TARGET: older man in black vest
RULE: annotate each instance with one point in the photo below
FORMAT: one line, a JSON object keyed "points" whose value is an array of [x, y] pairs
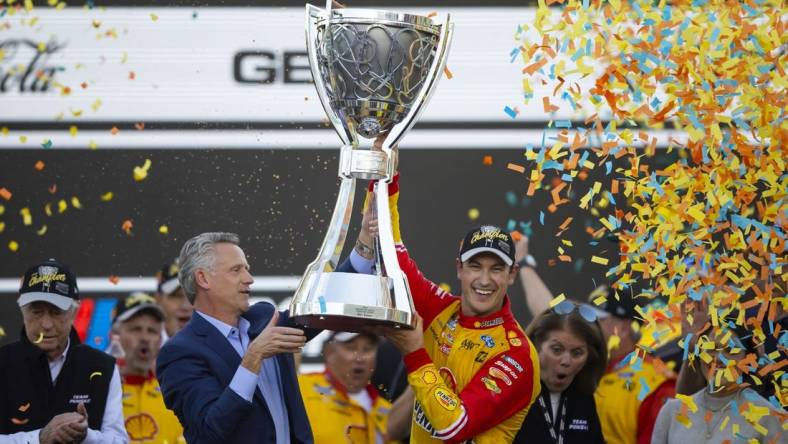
{"points": [[52, 388]]}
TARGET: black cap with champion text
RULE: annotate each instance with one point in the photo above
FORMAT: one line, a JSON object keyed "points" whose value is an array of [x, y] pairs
{"points": [[488, 239], [49, 281]]}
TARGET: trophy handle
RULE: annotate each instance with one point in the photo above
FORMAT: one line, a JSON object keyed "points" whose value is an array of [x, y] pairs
{"points": [[430, 84], [402, 296], [313, 15], [328, 256]]}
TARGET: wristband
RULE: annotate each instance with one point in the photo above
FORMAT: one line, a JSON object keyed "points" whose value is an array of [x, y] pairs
{"points": [[364, 250], [527, 261]]}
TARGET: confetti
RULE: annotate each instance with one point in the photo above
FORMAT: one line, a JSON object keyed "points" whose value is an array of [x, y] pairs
{"points": [[27, 218], [114, 130], [487, 161], [2, 226], [106, 197], [473, 214], [76, 203], [127, 226], [5, 193], [557, 300], [599, 260], [13, 246], [140, 126], [73, 130], [42, 231], [511, 112], [40, 338], [141, 172], [164, 230], [154, 17], [39, 166], [448, 73], [515, 167], [114, 279]]}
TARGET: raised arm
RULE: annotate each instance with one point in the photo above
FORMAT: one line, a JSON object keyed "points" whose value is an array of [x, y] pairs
{"points": [[537, 295]]}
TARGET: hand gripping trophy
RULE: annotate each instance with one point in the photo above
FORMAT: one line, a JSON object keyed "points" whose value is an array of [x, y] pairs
{"points": [[374, 72]]}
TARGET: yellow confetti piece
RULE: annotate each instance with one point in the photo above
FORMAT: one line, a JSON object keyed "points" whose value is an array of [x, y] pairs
{"points": [[40, 338], [23, 139], [613, 342], [76, 203], [4, 131], [445, 287], [473, 214], [48, 209], [688, 401], [92, 145], [106, 197], [154, 17], [163, 229], [141, 172], [27, 218], [2, 210], [62, 206], [13, 246], [73, 130], [599, 260], [42, 231], [2, 332], [557, 300], [2, 226]]}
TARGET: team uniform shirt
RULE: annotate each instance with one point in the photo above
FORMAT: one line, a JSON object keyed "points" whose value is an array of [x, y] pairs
{"points": [[147, 419], [334, 414], [629, 397], [476, 377]]}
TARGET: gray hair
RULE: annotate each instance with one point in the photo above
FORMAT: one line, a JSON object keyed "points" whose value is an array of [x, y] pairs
{"points": [[198, 252]]}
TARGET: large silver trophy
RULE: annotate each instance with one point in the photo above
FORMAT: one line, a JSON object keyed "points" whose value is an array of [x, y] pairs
{"points": [[374, 72]]}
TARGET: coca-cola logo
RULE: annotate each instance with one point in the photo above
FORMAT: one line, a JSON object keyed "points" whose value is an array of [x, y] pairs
{"points": [[25, 67]]}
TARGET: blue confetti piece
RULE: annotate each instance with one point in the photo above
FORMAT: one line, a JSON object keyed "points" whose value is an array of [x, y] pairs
{"points": [[322, 301], [563, 124], [608, 167], [511, 225], [566, 177], [512, 113], [541, 217], [511, 199], [47, 144], [644, 389], [513, 54], [610, 197]]}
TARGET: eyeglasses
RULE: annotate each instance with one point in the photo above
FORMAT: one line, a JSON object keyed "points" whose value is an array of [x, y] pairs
{"points": [[588, 312]]}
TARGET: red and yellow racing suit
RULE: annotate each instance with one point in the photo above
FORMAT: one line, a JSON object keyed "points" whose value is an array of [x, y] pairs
{"points": [[147, 419], [476, 377]]}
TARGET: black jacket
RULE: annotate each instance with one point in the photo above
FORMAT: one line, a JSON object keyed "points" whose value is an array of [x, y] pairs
{"points": [[581, 423], [28, 399]]}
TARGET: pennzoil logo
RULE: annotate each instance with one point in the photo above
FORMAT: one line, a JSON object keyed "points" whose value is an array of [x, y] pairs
{"points": [[446, 399], [46, 275], [489, 232]]}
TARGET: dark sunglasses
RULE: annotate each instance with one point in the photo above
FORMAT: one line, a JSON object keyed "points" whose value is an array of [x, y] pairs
{"points": [[586, 311]]}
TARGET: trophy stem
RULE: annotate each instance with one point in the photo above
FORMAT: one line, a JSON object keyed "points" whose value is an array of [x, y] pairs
{"points": [[397, 279], [328, 256]]}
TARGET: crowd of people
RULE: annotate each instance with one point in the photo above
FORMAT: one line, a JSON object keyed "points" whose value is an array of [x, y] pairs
{"points": [[199, 364]]}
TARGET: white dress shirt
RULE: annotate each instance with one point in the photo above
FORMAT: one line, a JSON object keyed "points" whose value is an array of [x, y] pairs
{"points": [[113, 430]]}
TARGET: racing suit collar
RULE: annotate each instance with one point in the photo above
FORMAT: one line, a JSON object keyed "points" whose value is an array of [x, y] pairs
{"points": [[500, 317], [138, 379]]}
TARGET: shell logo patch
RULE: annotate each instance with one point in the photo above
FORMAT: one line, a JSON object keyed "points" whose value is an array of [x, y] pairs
{"points": [[141, 427], [446, 399], [429, 377]]}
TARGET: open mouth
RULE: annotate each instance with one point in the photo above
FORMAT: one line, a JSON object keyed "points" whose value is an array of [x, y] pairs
{"points": [[143, 352], [183, 319], [482, 292], [561, 377]]}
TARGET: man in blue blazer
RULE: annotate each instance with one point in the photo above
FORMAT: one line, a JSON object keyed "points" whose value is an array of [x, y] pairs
{"points": [[229, 375]]}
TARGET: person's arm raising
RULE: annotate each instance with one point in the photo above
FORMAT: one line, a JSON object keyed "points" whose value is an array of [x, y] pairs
{"points": [[537, 295]]}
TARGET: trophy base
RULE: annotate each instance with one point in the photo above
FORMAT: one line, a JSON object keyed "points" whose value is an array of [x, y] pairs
{"points": [[339, 316]]}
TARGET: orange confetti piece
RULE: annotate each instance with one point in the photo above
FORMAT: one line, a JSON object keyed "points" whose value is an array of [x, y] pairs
{"points": [[488, 160], [549, 108], [515, 167], [127, 226], [448, 73], [132, 75], [532, 68], [39, 166], [114, 279], [140, 125], [114, 130], [516, 235], [5, 193]]}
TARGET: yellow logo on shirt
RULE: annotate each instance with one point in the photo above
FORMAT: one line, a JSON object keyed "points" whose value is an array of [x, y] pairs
{"points": [[141, 427], [446, 399]]}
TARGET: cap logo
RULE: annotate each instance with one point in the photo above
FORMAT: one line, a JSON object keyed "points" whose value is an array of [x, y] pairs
{"points": [[503, 246], [139, 298], [46, 275], [489, 233]]}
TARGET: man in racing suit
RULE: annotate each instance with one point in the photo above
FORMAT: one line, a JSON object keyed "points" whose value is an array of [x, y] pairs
{"points": [[473, 370]]}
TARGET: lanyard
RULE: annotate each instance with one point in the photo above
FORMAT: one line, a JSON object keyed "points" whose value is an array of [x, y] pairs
{"points": [[559, 439]]}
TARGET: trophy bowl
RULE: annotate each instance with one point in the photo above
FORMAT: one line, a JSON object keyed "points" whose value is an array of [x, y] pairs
{"points": [[374, 72]]}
